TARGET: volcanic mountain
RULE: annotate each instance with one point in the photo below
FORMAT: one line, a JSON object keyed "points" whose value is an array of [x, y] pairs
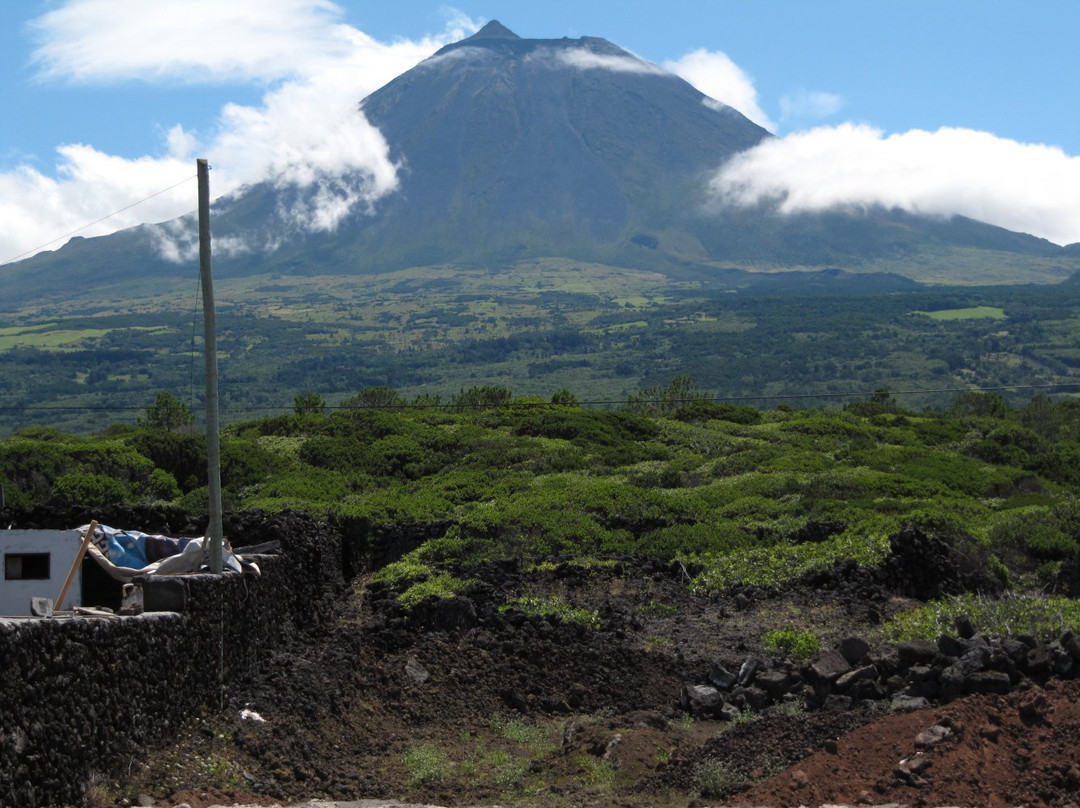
{"points": [[509, 149]]}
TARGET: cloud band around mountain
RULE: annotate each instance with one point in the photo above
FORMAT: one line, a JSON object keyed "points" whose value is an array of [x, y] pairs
{"points": [[1030, 188]]}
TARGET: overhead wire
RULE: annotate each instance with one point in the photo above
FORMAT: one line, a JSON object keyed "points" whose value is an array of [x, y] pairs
{"points": [[77, 230], [854, 394]]}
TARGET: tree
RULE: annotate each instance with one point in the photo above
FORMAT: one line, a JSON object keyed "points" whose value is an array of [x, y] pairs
{"points": [[681, 394], [167, 413], [309, 403], [375, 398], [482, 398], [564, 398]]}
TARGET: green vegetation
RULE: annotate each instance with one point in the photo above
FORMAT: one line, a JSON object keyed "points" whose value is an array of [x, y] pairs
{"points": [[304, 346], [801, 645], [427, 764], [716, 779], [972, 313], [553, 605], [1040, 616], [735, 495]]}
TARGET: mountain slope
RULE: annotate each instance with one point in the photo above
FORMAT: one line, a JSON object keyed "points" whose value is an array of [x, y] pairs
{"points": [[512, 149]]}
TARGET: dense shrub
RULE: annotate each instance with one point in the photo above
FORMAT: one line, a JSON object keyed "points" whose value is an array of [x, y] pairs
{"points": [[80, 489]]}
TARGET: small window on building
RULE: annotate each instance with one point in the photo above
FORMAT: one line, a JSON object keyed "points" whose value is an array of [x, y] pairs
{"points": [[26, 566]]}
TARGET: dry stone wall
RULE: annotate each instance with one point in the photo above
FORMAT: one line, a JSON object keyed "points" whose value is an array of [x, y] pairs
{"points": [[80, 695]]}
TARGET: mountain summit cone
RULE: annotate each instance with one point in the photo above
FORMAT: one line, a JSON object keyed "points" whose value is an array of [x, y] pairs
{"points": [[509, 149]]}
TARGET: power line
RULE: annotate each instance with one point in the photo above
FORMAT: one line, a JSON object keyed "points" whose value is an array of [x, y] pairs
{"points": [[96, 221], [588, 403]]}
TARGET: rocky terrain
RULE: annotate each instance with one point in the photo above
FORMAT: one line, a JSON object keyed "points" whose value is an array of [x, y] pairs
{"points": [[659, 698]]}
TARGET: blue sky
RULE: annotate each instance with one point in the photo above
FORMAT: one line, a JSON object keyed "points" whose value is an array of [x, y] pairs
{"points": [[938, 107]]}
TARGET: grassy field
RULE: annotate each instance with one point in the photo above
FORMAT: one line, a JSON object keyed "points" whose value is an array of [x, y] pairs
{"points": [[973, 313], [538, 328]]}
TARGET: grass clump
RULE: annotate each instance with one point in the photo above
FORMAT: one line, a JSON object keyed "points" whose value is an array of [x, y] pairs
{"points": [[508, 771], [716, 779], [780, 563], [537, 739], [1044, 616], [418, 581], [427, 763], [553, 605], [799, 645], [597, 773], [654, 607], [439, 585]]}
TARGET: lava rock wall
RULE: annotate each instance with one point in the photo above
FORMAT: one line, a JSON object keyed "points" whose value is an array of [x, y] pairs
{"points": [[80, 695]]}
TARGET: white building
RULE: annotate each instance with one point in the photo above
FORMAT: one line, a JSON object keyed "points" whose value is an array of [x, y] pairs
{"points": [[36, 564]]}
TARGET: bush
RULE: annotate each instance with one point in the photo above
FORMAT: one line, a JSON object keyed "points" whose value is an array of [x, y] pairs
{"points": [[702, 538], [1048, 543], [771, 566], [440, 585], [181, 454], [427, 764], [553, 605], [87, 490], [162, 485], [1044, 616], [799, 645], [716, 779]]}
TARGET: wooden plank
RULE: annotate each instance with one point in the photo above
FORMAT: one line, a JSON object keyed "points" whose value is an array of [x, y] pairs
{"points": [[78, 560]]}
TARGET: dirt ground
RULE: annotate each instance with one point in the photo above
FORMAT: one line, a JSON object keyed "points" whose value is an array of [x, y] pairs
{"points": [[463, 704]]}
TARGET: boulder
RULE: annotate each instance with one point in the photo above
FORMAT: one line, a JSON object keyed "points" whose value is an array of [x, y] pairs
{"points": [[903, 702], [776, 683], [1070, 641], [950, 646], [964, 627], [853, 649], [753, 697], [932, 736], [721, 677], [988, 682], [701, 700], [1037, 663], [851, 678], [829, 667], [916, 652], [749, 670], [1015, 650], [1061, 661]]}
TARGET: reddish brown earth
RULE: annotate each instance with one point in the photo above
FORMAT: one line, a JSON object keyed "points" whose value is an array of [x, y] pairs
{"points": [[1020, 749], [345, 710]]}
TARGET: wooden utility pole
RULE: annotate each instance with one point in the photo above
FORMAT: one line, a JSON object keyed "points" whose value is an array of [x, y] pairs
{"points": [[214, 531]]}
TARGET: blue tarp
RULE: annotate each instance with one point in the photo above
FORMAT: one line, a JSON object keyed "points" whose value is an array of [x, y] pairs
{"points": [[126, 554], [130, 548]]}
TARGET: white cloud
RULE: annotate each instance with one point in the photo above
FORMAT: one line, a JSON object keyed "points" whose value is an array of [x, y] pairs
{"points": [[36, 209], [1026, 187], [714, 74], [104, 40], [306, 132], [588, 60], [804, 104]]}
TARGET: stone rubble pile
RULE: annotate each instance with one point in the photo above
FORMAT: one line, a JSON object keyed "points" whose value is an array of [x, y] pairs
{"points": [[908, 676]]}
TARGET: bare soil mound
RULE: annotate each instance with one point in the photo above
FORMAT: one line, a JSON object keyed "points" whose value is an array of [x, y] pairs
{"points": [[991, 750]]}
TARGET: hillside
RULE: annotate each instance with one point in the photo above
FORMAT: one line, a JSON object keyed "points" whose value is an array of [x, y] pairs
{"points": [[547, 592], [811, 338]]}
